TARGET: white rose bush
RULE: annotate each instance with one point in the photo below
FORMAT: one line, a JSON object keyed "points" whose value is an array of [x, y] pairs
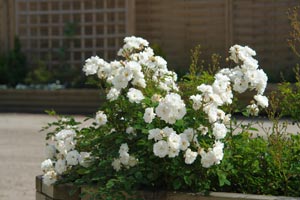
{"points": [[149, 133]]}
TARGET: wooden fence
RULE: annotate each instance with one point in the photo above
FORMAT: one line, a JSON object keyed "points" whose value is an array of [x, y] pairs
{"points": [[69, 30], [45, 28], [178, 25]]}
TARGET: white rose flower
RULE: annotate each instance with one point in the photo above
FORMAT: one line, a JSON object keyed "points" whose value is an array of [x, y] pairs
{"points": [[135, 42], [173, 152], [227, 119], [261, 82], [219, 130], [49, 178], [189, 132], [240, 85], [72, 157], [203, 129], [261, 100], [207, 159], [91, 65], [140, 82], [113, 94], [174, 141], [123, 148], [61, 147], [156, 98], [69, 144], [60, 166], [184, 142], [124, 158], [116, 164], [104, 70], [155, 134], [161, 148], [130, 130], [119, 82], [171, 108], [85, 159], [101, 118], [135, 95], [252, 109], [197, 101], [149, 115], [190, 156], [132, 161], [47, 165], [65, 133], [218, 151], [126, 73]]}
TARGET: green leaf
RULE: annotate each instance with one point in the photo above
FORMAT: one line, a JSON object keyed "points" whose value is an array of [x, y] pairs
{"points": [[223, 179], [187, 180], [177, 184]]}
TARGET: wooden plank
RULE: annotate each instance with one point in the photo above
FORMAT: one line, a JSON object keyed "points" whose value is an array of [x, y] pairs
{"points": [[130, 17]]}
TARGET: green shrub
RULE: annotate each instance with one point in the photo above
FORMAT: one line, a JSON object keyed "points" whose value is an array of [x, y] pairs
{"points": [[13, 66]]}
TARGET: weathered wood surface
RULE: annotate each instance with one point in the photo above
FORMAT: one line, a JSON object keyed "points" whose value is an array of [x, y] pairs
{"points": [[60, 192], [62, 101]]}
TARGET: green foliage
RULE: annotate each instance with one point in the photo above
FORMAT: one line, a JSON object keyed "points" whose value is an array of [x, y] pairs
{"points": [[262, 166], [199, 72], [158, 50], [289, 95], [13, 66], [39, 74]]}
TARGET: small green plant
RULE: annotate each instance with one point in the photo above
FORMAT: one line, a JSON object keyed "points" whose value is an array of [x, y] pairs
{"points": [[289, 95], [294, 40], [39, 74]]}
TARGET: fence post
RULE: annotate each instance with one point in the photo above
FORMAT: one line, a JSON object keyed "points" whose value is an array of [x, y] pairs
{"points": [[130, 17], [7, 24], [11, 23], [228, 24]]}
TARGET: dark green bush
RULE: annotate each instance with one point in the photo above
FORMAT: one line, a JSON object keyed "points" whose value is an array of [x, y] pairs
{"points": [[13, 66]]}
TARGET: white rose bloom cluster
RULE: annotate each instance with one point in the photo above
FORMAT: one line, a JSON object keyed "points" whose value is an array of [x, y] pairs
{"points": [[149, 115], [92, 65], [141, 69], [140, 65], [62, 155], [171, 108], [169, 143], [213, 155], [124, 159], [245, 75], [101, 118]]}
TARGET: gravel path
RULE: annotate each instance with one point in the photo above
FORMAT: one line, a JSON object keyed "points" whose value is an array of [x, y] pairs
{"points": [[22, 150]]}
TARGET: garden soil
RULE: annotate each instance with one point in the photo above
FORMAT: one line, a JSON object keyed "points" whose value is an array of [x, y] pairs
{"points": [[22, 151]]}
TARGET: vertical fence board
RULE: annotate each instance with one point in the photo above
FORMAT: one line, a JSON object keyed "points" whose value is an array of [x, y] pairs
{"points": [[7, 26]]}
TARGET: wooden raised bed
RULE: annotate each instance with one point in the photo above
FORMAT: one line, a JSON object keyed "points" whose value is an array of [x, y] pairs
{"points": [[62, 192], [73, 101], [62, 101]]}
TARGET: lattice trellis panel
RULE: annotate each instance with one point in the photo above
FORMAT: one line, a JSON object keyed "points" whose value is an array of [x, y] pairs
{"points": [[73, 30]]}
